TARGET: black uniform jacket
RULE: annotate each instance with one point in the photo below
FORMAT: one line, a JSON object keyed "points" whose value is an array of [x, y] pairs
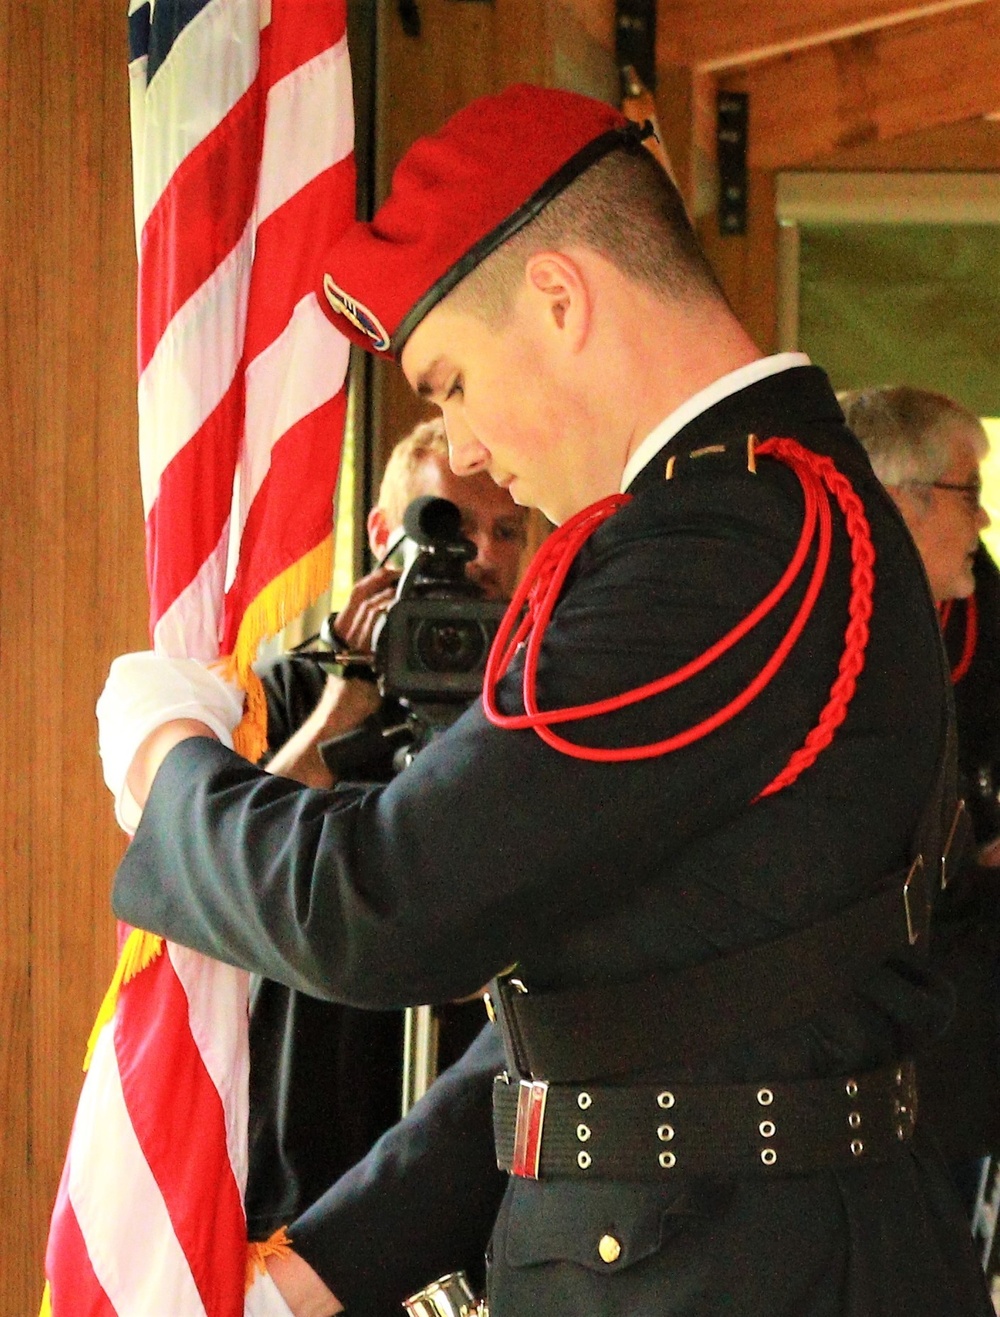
{"points": [[977, 696], [960, 1084], [494, 849], [324, 1079]]}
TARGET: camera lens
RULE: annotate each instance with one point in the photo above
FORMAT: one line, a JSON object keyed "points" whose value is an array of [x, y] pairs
{"points": [[457, 645]]}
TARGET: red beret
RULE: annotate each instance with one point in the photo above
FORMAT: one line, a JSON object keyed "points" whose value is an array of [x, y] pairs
{"points": [[456, 196]]}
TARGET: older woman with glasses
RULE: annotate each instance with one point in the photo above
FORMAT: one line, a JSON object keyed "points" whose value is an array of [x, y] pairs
{"points": [[926, 450]]}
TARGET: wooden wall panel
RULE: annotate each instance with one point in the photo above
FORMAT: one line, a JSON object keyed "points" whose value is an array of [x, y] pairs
{"points": [[713, 34], [746, 266], [597, 18], [879, 86], [72, 591], [970, 145]]}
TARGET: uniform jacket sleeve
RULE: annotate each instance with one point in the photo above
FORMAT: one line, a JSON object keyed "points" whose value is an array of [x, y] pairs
{"points": [[421, 1203]]}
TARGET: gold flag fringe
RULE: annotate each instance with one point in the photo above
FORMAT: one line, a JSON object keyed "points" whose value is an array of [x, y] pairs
{"points": [[46, 1308], [278, 1246], [278, 603], [140, 950]]}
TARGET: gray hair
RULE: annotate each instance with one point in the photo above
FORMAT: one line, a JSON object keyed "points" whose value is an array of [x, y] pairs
{"points": [[909, 433]]}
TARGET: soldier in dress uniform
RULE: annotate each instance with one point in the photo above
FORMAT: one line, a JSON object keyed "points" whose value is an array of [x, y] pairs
{"points": [[694, 831]]}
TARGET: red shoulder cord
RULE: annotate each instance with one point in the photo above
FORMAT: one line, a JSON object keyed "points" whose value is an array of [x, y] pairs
{"points": [[971, 634], [537, 594]]}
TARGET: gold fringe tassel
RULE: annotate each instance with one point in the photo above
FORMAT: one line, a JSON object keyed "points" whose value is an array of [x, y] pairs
{"points": [[250, 737], [140, 950], [282, 599], [279, 1245], [46, 1308]]}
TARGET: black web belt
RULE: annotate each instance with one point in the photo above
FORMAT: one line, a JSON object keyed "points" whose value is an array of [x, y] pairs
{"points": [[649, 1132]]}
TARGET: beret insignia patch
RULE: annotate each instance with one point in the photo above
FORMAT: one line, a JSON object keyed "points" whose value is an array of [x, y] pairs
{"points": [[358, 315]]}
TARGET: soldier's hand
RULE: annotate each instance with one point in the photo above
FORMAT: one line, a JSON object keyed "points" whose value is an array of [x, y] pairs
{"points": [[369, 598], [301, 1288]]}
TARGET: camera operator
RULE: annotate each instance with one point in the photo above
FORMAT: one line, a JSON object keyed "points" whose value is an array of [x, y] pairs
{"points": [[308, 707], [326, 1079]]}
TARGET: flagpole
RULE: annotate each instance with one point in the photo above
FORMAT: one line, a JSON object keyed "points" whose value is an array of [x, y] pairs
{"points": [[420, 1053]]}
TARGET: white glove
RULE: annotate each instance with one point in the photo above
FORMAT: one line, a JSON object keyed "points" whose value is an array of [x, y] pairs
{"points": [[144, 691]]}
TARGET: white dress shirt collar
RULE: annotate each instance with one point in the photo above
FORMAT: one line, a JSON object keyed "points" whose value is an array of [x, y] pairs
{"points": [[701, 401]]}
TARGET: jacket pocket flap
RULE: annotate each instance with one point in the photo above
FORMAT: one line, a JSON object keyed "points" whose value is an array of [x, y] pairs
{"points": [[605, 1227]]}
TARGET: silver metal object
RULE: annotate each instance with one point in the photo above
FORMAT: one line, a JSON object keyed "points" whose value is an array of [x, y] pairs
{"points": [[420, 1054], [449, 1296]]}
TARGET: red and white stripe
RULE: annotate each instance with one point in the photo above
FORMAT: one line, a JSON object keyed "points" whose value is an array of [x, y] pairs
{"points": [[157, 1160], [243, 167]]}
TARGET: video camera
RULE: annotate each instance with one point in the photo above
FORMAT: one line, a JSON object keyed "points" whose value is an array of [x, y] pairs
{"points": [[431, 645], [429, 649]]}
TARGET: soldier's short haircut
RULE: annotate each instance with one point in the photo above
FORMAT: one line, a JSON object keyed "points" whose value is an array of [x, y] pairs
{"points": [[623, 207], [908, 433], [425, 441]]}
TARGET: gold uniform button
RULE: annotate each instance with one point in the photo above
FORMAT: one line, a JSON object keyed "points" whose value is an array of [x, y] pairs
{"points": [[609, 1248]]}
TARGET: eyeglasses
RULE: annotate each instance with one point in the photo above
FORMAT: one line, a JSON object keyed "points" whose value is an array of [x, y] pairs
{"points": [[971, 494]]}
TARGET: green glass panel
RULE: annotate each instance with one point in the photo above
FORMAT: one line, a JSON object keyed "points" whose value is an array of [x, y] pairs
{"points": [[908, 303]]}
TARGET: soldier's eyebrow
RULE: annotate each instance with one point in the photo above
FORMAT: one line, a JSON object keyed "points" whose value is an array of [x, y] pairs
{"points": [[431, 380]]}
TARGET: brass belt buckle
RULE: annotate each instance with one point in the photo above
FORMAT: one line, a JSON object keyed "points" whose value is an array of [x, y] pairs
{"points": [[531, 1095]]}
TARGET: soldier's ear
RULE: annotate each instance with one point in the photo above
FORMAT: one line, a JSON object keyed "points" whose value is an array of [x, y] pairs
{"points": [[556, 280], [378, 531]]}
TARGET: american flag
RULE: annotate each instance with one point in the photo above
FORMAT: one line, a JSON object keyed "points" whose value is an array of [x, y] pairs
{"points": [[242, 138]]}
